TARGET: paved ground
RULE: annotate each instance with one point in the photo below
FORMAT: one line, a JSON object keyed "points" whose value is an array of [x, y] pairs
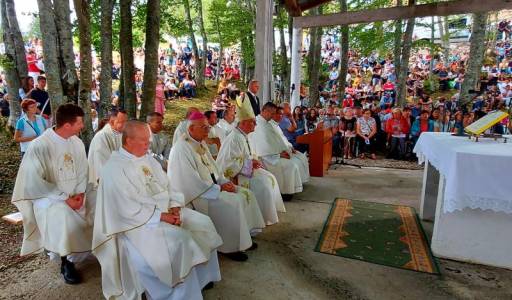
{"points": [[285, 265]]}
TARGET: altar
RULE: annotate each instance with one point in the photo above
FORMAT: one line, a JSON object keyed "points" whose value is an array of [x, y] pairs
{"points": [[467, 192]]}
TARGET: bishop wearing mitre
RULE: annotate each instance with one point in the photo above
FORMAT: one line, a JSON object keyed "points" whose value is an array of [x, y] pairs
{"points": [[182, 128], [233, 209], [268, 145], [144, 238], [104, 142], [237, 162], [50, 193]]}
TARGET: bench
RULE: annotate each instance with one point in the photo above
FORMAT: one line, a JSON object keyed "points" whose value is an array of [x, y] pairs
{"points": [[14, 218]]}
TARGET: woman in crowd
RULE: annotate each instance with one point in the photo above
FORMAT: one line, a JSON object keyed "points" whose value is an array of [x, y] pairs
{"points": [[447, 124], [188, 87], [347, 128], [299, 120], [397, 129], [436, 118], [27, 84], [160, 96], [311, 120], [422, 124], [366, 129], [29, 126]]}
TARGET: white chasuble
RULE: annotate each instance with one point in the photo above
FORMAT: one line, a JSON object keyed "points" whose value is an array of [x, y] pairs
{"points": [[268, 145], [194, 173], [235, 162], [52, 170], [297, 157], [180, 131], [132, 194], [226, 126], [102, 145]]}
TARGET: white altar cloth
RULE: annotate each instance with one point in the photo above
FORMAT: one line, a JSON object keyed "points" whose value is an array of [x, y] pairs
{"points": [[475, 172]]}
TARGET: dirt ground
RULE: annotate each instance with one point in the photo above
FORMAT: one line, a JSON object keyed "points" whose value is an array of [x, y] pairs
{"points": [[285, 265]]}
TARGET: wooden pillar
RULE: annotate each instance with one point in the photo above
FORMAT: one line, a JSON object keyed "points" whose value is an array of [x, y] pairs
{"points": [[296, 64], [264, 48]]}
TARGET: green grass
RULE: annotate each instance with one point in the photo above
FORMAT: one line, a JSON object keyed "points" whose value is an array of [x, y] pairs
{"points": [[176, 109]]}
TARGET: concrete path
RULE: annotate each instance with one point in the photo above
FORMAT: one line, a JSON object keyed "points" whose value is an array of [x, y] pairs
{"points": [[285, 265]]}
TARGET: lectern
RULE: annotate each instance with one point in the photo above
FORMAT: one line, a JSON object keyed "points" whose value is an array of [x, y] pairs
{"points": [[320, 150]]}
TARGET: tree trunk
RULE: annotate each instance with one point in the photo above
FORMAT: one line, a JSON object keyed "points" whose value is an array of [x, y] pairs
{"points": [[107, 7], [476, 52], [84, 26], [221, 50], [285, 70], [314, 64], [445, 39], [397, 49], [431, 50], [51, 52], [12, 72], [195, 50], [128, 69], [17, 38], [344, 44], [151, 58], [201, 65], [404, 62], [69, 77]]}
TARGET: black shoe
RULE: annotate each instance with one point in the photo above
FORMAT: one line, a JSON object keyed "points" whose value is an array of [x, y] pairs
{"points": [[237, 256], [254, 246], [287, 197], [208, 286], [69, 272]]}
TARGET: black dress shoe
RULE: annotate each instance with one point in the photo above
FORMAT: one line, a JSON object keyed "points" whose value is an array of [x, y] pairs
{"points": [[254, 246], [237, 256], [287, 197], [69, 272], [208, 286]]}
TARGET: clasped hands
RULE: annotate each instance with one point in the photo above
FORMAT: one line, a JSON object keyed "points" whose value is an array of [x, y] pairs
{"points": [[285, 154], [76, 201], [172, 216], [256, 164], [228, 187]]}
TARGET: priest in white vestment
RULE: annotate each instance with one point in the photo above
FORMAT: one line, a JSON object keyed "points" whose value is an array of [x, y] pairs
{"points": [[296, 157], [228, 123], [238, 164], [181, 129], [104, 142], [50, 193], [268, 145], [233, 209], [144, 237], [160, 142], [215, 135]]}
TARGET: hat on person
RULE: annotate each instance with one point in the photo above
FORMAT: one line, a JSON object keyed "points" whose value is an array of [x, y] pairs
{"points": [[26, 103], [195, 116], [244, 109]]}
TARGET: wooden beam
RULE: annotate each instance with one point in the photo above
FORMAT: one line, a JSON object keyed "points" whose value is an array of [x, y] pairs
{"points": [[402, 12]]}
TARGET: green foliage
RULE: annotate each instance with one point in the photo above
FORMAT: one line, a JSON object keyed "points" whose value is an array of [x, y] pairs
{"points": [[431, 84], [6, 62]]}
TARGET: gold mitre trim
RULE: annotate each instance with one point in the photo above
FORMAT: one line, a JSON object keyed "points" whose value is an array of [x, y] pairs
{"points": [[244, 109]]}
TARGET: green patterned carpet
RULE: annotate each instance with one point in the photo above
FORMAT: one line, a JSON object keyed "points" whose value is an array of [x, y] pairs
{"points": [[384, 234]]}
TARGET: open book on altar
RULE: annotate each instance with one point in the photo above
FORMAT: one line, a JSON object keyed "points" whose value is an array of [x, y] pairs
{"points": [[486, 122]]}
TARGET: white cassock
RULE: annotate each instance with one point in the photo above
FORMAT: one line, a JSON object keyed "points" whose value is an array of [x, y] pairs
{"points": [[102, 145], [181, 130], [194, 173], [137, 251], [298, 158], [160, 147], [52, 169], [235, 162], [268, 145], [228, 127]]}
